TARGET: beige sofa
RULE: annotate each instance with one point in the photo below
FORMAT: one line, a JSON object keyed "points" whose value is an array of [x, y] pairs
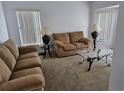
{"points": [[20, 68], [68, 43]]}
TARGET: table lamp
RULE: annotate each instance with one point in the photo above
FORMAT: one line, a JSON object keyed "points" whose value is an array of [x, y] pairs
{"points": [[46, 41], [94, 34]]}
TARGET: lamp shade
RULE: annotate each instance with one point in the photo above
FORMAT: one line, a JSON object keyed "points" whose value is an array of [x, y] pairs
{"points": [[97, 28], [44, 31]]}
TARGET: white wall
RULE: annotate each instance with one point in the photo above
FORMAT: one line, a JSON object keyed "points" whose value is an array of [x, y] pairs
{"points": [[117, 69], [58, 16], [3, 28]]}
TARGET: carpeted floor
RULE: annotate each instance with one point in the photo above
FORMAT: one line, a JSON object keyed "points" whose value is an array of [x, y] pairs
{"points": [[65, 74]]}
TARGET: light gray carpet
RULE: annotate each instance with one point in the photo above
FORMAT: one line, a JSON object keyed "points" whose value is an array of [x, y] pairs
{"points": [[65, 74]]}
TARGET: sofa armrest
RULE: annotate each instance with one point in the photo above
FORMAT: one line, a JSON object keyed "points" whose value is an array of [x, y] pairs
{"points": [[30, 82], [85, 40], [27, 49], [59, 43]]}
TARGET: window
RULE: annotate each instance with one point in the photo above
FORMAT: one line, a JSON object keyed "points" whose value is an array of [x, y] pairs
{"points": [[107, 20], [29, 26]]}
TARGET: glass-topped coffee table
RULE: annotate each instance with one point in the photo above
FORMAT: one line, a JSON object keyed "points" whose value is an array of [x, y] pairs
{"points": [[90, 55]]}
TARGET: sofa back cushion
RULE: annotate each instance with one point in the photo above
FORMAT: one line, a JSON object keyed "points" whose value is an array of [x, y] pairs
{"points": [[12, 46], [75, 36], [63, 37], [7, 57], [4, 72]]}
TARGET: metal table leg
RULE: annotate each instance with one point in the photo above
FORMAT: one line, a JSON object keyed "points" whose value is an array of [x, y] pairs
{"points": [[90, 60]]}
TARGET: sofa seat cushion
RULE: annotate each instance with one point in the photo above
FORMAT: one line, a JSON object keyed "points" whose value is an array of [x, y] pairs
{"points": [[75, 36], [69, 47], [28, 63], [4, 72], [80, 45], [26, 72], [63, 37], [7, 57], [28, 55], [12, 46]]}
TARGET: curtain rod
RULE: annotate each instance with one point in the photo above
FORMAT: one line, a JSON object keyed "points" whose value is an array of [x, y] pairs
{"points": [[108, 8], [27, 10]]}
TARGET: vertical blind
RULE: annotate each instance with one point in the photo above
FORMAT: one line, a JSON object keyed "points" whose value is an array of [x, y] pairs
{"points": [[107, 20], [29, 27]]}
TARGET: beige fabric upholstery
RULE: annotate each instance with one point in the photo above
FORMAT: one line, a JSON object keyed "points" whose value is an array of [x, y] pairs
{"points": [[84, 40], [27, 49], [28, 63], [4, 72], [80, 45], [28, 55], [59, 43], [7, 57], [30, 82], [63, 37], [69, 47], [12, 46], [26, 72], [75, 36], [69, 53], [63, 48], [59, 51]]}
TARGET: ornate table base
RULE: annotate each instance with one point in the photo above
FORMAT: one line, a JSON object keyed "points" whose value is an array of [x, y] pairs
{"points": [[91, 59]]}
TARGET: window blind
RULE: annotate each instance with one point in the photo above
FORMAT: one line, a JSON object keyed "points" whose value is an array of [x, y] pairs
{"points": [[29, 27], [107, 20]]}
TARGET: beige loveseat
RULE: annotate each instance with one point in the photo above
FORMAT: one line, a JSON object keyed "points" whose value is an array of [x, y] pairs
{"points": [[68, 43], [20, 68]]}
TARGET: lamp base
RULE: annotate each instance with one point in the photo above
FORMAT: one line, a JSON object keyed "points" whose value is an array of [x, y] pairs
{"points": [[46, 39], [94, 36], [94, 44]]}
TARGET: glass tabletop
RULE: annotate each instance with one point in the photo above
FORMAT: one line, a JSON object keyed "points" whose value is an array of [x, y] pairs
{"points": [[97, 52]]}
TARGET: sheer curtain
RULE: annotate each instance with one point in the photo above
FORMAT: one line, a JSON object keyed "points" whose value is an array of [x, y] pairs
{"points": [[107, 20], [29, 26]]}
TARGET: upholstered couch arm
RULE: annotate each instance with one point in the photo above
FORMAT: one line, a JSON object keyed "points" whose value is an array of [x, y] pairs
{"points": [[25, 83], [59, 43], [27, 49], [86, 41]]}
